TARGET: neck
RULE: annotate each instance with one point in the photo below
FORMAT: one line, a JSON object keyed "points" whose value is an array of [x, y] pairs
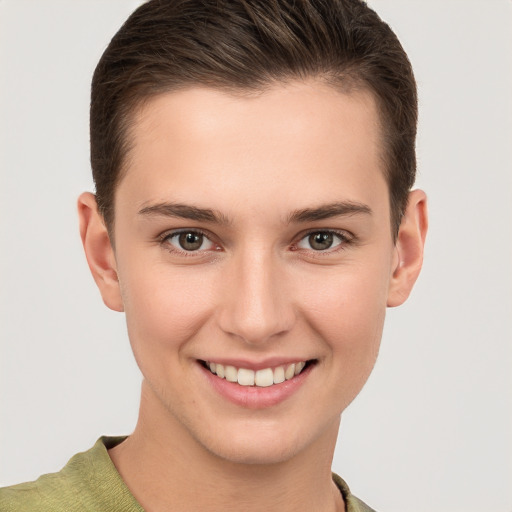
{"points": [[165, 468]]}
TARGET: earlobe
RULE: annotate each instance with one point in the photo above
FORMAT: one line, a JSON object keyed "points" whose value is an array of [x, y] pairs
{"points": [[98, 251], [409, 249]]}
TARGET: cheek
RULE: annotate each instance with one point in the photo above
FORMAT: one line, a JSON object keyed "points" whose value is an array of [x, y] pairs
{"points": [[163, 311], [348, 314]]}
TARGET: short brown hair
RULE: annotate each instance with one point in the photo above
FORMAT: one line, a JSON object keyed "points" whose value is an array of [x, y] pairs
{"points": [[244, 45]]}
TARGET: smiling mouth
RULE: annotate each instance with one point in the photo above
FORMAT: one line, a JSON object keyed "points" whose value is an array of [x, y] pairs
{"points": [[263, 378]]}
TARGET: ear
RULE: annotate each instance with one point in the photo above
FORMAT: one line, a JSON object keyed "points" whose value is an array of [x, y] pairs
{"points": [[409, 248], [98, 251]]}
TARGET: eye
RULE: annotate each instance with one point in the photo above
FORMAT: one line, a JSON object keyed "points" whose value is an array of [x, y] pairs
{"points": [[189, 241], [322, 240]]}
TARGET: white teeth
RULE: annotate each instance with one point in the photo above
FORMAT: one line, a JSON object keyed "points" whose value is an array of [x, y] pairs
{"points": [[279, 375], [231, 373], [264, 378], [245, 377], [220, 371], [289, 372], [261, 378]]}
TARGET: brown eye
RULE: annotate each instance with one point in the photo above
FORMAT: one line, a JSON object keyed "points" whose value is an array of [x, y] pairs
{"points": [[321, 241], [190, 241]]}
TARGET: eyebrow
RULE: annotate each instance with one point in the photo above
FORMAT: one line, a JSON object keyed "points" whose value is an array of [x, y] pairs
{"points": [[343, 208], [184, 211]]}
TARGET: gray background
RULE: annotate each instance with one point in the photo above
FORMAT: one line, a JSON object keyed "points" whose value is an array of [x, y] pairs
{"points": [[432, 429]]}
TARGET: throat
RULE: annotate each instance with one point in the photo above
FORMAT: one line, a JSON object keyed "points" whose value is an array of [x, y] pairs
{"points": [[166, 468], [176, 484]]}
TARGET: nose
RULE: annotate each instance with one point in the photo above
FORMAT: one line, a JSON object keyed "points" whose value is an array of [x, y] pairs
{"points": [[256, 305]]}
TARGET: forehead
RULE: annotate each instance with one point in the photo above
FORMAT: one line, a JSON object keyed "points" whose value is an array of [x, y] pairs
{"points": [[302, 139]]}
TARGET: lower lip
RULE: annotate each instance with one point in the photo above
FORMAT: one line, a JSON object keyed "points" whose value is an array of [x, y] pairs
{"points": [[255, 397]]}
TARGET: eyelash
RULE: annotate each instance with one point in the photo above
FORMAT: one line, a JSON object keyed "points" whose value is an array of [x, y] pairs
{"points": [[345, 238], [166, 237]]}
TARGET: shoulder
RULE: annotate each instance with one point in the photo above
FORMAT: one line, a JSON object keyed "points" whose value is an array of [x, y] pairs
{"points": [[49, 492], [88, 482], [352, 503]]}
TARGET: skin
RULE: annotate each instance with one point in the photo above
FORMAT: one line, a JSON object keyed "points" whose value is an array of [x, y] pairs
{"points": [[256, 289]]}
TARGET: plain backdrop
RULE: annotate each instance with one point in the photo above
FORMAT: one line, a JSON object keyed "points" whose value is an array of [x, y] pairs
{"points": [[433, 426]]}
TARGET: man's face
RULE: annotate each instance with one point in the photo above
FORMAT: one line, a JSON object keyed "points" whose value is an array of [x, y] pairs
{"points": [[253, 232]]}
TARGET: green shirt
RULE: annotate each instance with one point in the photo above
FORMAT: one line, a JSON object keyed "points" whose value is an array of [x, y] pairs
{"points": [[90, 483]]}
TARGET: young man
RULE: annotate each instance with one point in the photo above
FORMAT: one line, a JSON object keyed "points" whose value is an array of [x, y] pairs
{"points": [[253, 162]]}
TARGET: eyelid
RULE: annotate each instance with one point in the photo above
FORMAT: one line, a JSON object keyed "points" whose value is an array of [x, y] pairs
{"points": [[346, 238], [164, 238]]}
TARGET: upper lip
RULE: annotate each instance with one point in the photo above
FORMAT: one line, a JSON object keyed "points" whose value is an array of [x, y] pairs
{"points": [[271, 362]]}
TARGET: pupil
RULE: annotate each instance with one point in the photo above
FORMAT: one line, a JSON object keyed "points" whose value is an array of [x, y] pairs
{"points": [[191, 241], [321, 241]]}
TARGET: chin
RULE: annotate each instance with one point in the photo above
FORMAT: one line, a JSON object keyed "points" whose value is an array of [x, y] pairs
{"points": [[266, 444], [254, 451]]}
